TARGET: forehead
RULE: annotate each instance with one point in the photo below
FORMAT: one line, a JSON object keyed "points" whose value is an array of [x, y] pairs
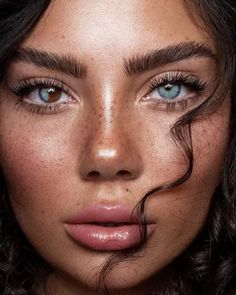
{"points": [[105, 27]]}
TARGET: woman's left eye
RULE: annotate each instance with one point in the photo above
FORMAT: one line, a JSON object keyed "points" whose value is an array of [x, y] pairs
{"points": [[175, 90], [170, 91]]}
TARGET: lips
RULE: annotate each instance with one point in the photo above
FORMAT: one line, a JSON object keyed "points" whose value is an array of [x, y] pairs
{"points": [[106, 228]]}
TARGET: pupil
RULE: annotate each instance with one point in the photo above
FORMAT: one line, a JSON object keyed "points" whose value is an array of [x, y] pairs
{"points": [[168, 87]]}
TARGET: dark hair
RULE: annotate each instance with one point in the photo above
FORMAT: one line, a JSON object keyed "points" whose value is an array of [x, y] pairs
{"points": [[208, 266]]}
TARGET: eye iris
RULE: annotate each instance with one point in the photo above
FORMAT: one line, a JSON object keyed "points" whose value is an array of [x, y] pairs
{"points": [[169, 91], [49, 95]]}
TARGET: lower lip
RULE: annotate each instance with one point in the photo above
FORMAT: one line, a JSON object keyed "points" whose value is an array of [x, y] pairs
{"points": [[106, 238]]}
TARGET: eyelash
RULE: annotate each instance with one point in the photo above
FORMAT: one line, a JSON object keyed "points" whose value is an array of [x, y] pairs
{"points": [[25, 87], [177, 78]]}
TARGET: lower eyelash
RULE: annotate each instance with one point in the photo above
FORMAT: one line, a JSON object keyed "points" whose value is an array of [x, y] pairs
{"points": [[39, 109], [171, 106]]}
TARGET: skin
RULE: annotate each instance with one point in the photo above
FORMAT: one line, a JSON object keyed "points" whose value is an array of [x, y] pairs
{"points": [[108, 128]]}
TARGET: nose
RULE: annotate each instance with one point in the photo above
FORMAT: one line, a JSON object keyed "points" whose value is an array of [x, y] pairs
{"points": [[110, 156]]}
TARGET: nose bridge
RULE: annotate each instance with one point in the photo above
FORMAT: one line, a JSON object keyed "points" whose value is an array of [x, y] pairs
{"points": [[109, 112], [107, 135], [110, 151]]}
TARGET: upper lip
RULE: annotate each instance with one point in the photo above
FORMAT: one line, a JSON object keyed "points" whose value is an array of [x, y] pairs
{"points": [[117, 214]]}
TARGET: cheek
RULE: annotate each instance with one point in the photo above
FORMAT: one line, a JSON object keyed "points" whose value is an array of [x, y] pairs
{"points": [[31, 160], [35, 166], [36, 152], [166, 161], [210, 138]]}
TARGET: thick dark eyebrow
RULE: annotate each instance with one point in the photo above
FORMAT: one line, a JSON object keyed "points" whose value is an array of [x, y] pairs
{"points": [[65, 63], [170, 54]]}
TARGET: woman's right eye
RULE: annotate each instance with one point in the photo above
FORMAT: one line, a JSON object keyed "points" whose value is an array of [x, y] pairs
{"points": [[43, 95], [47, 95]]}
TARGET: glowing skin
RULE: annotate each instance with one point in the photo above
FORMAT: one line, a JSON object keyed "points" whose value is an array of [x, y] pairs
{"points": [[110, 144]]}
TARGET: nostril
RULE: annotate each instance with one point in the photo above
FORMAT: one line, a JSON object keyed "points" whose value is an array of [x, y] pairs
{"points": [[93, 174], [96, 175], [124, 173]]}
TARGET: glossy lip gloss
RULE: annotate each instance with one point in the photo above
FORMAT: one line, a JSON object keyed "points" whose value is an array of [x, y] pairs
{"points": [[106, 228]]}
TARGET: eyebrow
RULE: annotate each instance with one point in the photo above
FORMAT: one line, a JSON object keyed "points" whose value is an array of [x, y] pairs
{"points": [[65, 63], [170, 54]]}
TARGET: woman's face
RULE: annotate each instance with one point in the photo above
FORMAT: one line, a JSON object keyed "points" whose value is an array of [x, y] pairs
{"points": [[86, 113]]}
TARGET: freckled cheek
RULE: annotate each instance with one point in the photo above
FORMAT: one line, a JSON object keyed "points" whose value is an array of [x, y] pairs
{"points": [[210, 141], [33, 164], [163, 160]]}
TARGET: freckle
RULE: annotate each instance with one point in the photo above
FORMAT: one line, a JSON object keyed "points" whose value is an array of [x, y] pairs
{"points": [[127, 190], [42, 211]]}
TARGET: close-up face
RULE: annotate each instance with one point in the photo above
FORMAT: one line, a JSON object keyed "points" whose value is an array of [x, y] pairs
{"points": [[86, 110]]}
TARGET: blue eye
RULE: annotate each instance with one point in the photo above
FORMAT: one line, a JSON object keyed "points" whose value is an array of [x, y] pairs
{"points": [[174, 90], [169, 91]]}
